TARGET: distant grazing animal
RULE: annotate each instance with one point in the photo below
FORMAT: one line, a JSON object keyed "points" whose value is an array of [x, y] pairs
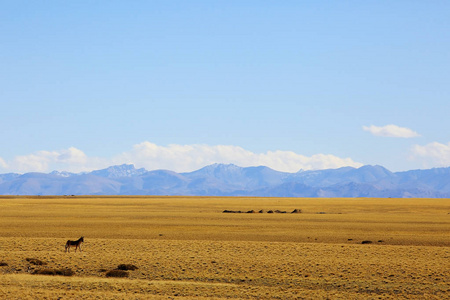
{"points": [[76, 244]]}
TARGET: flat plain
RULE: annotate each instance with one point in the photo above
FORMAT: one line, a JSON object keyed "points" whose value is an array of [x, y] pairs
{"points": [[186, 247]]}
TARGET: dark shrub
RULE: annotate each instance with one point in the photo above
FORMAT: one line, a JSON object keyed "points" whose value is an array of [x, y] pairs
{"points": [[3, 264], [296, 211], [127, 267], [45, 272], [65, 272], [117, 273], [366, 242], [60, 272], [35, 261]]}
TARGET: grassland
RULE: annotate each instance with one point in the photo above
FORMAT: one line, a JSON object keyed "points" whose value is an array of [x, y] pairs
{"points": [[185, 247]]}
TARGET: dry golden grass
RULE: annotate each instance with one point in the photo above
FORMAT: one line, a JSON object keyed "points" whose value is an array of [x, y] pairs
{"points": [[185, 247]]}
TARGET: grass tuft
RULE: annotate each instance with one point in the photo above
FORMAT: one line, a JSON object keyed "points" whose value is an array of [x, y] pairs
{"points": [[35, 261], [117, 273], [127, 267], [60, 272]]}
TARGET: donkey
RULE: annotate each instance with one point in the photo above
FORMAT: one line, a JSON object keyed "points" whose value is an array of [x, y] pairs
{"points": [[76, 244]]}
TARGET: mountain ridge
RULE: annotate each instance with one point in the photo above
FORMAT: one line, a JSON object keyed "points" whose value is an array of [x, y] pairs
{"points": [[232, 180]]}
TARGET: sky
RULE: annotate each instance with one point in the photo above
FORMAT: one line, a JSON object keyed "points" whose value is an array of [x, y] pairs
{"points": [[178, 85]]}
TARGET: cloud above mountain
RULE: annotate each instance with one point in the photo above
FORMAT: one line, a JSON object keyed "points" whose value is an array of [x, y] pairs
{"points": [[191, 157], [180, 158], [3, 163], [391, 131], [41, 161], [433, 154]]}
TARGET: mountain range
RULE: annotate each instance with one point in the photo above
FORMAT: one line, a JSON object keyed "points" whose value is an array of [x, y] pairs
{"points": [[232, 180]]}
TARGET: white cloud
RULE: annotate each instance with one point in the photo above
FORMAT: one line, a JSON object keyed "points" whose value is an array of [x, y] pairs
{"points": [[3, 164], [432, 155], [179, 158], [182, 158], [391, 131], [71, 159]]}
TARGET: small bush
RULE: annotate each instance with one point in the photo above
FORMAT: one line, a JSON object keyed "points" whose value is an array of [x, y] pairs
{"points": [[117, 273], [45, 272], [366, 242], [35, 261], [60, 272], [3, 264], [127, 267], [296, 211]]}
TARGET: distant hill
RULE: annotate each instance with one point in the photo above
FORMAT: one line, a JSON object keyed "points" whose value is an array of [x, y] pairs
{"points": [[232, 180]]}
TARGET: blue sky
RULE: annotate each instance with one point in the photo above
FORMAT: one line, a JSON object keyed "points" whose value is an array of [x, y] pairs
{"points": [[182, 84]]}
